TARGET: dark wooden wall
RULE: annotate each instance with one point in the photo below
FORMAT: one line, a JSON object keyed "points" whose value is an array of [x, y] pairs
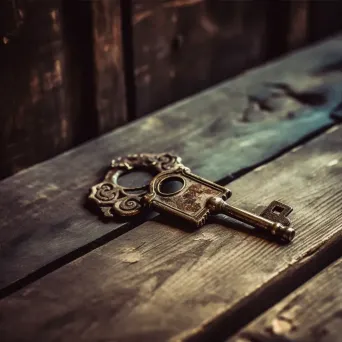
{"points": [[72, 70]]}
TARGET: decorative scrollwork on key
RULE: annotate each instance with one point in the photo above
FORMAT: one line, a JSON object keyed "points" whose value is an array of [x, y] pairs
{"points": [[126, 205], [157, 162], [113, 198], [106, 192]]}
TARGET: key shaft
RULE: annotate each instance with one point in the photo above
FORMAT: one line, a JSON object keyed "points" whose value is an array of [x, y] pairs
{"points": [[219, 206]]}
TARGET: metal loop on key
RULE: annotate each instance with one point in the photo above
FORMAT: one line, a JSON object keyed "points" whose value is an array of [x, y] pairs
{"points": [[112, 198]]}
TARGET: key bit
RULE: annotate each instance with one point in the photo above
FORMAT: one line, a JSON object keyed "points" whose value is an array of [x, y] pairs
{"points": [[275, 227], [177, 191]]}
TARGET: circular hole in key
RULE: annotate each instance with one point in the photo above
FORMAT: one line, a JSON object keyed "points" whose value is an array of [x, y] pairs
{"points": [[171, 185], [135, 179]]}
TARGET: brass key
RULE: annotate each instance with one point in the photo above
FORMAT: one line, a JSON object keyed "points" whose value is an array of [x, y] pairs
{"points": [[175, 190]]}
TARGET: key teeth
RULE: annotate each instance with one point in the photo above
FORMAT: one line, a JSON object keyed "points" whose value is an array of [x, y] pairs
{"points": [[212, 208], [203, 220]]}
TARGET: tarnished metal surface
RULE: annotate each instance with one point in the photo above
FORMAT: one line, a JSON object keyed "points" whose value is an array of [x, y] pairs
{"points": [[175, 190], [190, 202], [273, 219], [113, 198]]}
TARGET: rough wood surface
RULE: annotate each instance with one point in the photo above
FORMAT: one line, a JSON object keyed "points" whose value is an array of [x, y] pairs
{"points": [[311, 313], [63, 80], [47, 80], [181, 47], [109, 67], [219, 132], [298, 30], [33, 103], [161, 281]]}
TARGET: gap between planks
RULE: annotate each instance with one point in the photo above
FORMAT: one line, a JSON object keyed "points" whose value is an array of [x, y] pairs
{"points": [[283, 285], [134, 223], [312, 312], [47, 221], [300, 265]]}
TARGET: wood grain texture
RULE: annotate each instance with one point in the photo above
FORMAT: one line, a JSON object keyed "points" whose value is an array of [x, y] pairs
{"points": [[33, 86], [45, 81], [230, 128], [109, 68], [298, 30], [161, 281], [70, 85], [311, 313], [181, 47]]}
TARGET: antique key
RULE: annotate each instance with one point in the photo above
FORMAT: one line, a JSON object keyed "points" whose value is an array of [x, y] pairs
{"points": [[175, 190]]}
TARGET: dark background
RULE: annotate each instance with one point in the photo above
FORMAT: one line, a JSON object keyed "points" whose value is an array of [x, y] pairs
{"points": [[72, 70]]}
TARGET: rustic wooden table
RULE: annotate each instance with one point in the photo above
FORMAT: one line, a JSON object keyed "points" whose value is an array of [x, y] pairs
{"points": [[271, 133]]}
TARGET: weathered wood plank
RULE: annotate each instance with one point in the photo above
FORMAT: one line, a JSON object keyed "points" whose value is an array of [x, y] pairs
{"points": [[45, 81], [218, 133], [160, 281], [181, 47], [298, 31], [311, 313], [109, 68], [68, 88], [33, 103]]}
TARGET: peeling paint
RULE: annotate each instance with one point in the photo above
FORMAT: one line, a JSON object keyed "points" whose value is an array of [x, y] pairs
{"points": [[45, 192], [297, 148], [243, 339], [333, 162], [247, 143], [116, 48], [141, 16], [53, 79], [21, 13], [64, 128], [209, 26], [174, 18], [206, 236], [181, 3], [55, 22], [140, 70], [35, 87], [260, 168], [281, 326], [152, 123], [332, 129], [131, 258]]}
